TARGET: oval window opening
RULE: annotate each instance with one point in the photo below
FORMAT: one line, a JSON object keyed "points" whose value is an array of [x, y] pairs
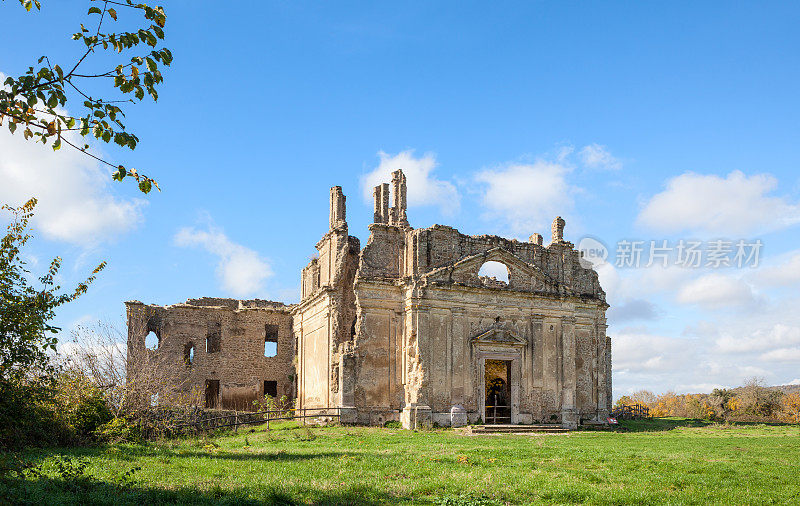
{"points": [[493, 272]]}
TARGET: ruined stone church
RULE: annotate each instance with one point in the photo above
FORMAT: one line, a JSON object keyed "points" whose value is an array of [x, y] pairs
{"points": [[405, 329]]}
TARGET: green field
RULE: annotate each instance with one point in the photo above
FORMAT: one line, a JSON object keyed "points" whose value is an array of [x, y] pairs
{"points": [[665, 461]]}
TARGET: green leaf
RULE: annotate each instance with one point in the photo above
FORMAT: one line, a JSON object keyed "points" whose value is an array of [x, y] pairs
{"points": [[57, 145], [145, 186], [94, 10]]}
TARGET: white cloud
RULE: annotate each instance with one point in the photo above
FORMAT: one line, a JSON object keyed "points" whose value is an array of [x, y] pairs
{"points": [[610, 280], [715, 291], [622, 284], [596, 156], [633, 309], [783, 272], [794, 382], [76, 201], [777, 336], [424, 188], [714, 205], [641, 352], [727, 348], [71, 349], [527, 196], [782, 355], [240, 269]]}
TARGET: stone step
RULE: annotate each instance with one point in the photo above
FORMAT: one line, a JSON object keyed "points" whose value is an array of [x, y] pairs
{"points": [[509, 428]]}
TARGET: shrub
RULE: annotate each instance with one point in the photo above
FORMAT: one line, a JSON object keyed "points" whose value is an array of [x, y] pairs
{"points": [[81, 405], [118, 430], [90, 413], [29, 418]]}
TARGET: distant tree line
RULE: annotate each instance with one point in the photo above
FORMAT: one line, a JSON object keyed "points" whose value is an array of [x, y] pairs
{"points": [[754, 401]]}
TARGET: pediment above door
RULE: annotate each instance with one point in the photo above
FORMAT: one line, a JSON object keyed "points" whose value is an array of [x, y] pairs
{"points": [[498, 335]]}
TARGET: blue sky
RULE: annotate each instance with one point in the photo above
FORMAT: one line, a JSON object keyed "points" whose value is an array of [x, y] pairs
{"points": [[644, 120]]}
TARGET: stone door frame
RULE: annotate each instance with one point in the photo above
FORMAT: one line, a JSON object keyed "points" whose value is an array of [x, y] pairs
{"points": [[510, 354]]}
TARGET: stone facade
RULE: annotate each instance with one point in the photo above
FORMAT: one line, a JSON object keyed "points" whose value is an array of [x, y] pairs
{"points": [[407, 329]]}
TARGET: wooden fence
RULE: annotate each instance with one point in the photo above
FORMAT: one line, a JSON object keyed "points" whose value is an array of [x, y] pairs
{"points": [[262, 417], [203, 420], [631, 412]]}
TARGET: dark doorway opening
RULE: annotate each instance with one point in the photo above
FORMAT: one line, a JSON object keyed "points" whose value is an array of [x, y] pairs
{"points": [[498, 391], [212, 394], [271, 388]]}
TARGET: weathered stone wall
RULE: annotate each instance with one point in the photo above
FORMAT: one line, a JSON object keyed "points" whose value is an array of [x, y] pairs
{"points": [[403, 329], [237, 332], [420, 303], [325, 319]]}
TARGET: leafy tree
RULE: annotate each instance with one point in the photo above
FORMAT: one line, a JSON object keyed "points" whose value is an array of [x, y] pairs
{"points": [[625, 400], [645, 397], [790, 410], [758, 400], [721, 400], [27, 336], [34, 101]]}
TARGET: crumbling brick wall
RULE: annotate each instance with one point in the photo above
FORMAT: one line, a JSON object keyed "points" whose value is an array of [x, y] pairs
{"points": [[205, 345]]}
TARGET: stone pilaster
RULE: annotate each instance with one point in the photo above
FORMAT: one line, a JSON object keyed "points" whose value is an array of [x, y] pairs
{"points": [[569, 413], [603, 373], [417, 411]]}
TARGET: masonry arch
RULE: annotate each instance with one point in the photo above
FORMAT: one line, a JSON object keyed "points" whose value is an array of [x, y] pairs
{"points": [[494, 273], [152, 341]]}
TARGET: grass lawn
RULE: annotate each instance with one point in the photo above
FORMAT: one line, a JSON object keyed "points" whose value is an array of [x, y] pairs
{"points": [[664, 461]]}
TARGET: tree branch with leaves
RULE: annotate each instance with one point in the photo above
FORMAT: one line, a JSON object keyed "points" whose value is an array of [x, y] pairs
{"points": [[26, 334], [31, 101]]}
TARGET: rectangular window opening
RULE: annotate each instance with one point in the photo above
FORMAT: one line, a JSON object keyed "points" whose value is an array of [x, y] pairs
{"points": [[270, 388], [213, 339], [270, 340]]}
